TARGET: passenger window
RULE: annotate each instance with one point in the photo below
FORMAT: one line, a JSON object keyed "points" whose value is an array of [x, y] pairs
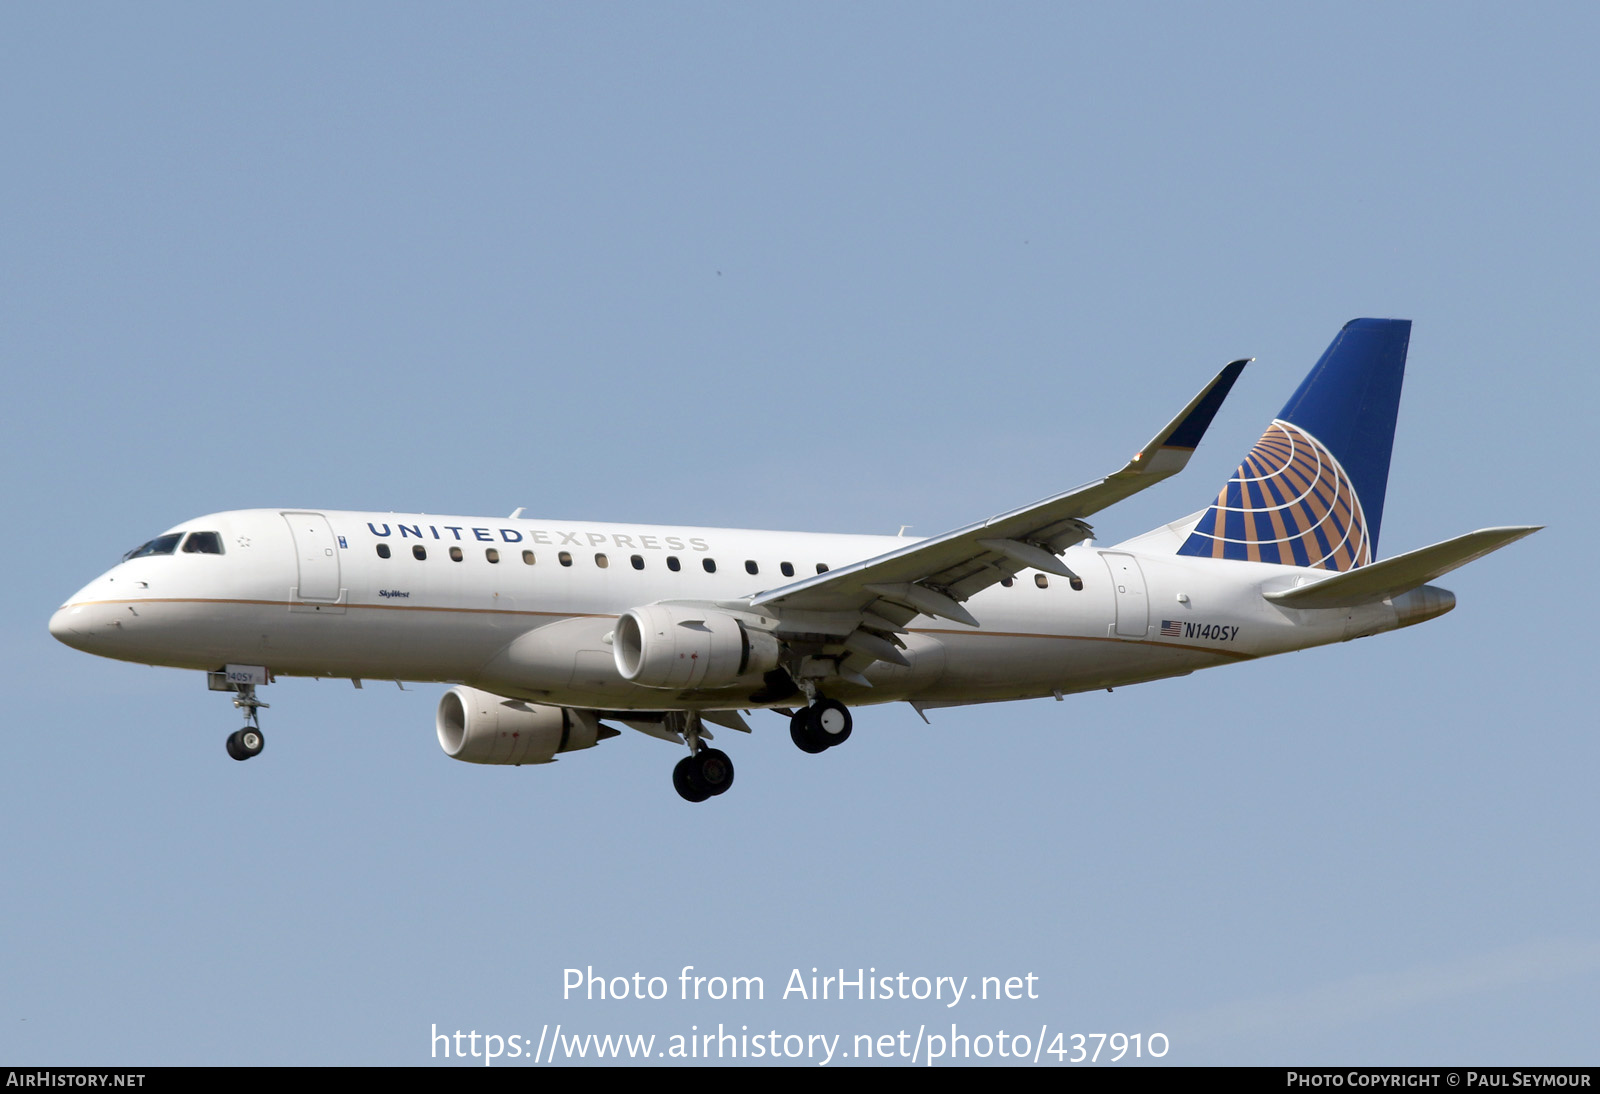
{"points": [[710, 564], [1041, 581], [638, 563], [455, 554], [822, 567], [673, 564], [419, 552], [565, 558], [491, 554], [527, 556], [787, 568], [203, 543], [1007, 582], [1077, 584], [750, 567], [600, 561], [383, 550]]}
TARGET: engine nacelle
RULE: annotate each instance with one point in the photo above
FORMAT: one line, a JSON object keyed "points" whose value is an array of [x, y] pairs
{"points": [[684, 646], [483, 728]]}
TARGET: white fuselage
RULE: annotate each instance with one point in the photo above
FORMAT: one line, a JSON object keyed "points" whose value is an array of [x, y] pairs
{"points": [[526, 608]]}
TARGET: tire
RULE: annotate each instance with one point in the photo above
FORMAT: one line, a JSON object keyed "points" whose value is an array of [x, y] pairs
{"points": [[684, 783], [831, 721], [713, 771], [804, 734]]}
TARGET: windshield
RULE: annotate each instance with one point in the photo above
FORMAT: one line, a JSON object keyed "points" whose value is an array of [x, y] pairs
{"points": [[161, 545], [203, 543]]}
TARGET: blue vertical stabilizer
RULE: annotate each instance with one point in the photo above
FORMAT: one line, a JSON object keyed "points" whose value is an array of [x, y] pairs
{"points": [[1310, 493]]}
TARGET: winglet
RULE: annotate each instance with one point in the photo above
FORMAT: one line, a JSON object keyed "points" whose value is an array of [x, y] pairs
{"points": [[1168, 452]]}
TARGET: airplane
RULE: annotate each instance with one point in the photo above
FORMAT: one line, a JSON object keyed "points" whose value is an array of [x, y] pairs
{"points": [[548, 630]]}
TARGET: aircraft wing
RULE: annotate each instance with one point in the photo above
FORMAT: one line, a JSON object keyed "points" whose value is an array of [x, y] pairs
{"points": [[933, 576]]}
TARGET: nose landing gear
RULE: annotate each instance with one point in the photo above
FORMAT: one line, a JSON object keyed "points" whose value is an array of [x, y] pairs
{"points": [[244, 743]]}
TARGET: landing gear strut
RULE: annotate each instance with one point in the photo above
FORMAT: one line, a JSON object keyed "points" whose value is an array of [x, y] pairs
{"points": [[249, 741], [820, 726]]}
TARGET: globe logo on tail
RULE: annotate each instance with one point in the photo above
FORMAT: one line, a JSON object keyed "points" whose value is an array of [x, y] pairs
{"points": [[1289, 502]]}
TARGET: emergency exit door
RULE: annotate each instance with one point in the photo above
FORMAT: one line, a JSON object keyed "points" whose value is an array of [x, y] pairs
{"points": [[1133, 603]]}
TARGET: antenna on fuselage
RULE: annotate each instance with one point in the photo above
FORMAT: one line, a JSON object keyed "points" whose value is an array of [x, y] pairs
{"points": [[517, 512]]}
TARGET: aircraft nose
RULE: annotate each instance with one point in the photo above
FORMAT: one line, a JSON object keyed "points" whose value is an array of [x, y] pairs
{"points": [[63, 628], [76, 622]]}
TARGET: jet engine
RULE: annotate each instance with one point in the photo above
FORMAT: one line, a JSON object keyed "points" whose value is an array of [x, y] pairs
{"points": [[688, 646], [483, 728]]}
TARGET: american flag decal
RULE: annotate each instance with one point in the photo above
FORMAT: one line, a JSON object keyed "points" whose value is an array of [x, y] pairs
{"points": [[1171, 628]]}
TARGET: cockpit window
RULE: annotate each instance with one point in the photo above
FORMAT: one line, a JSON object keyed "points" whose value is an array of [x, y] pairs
{"points": [[203, 543], [161, 545]]}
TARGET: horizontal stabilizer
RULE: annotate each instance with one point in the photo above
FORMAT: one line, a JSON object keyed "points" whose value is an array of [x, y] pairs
{"points": [[1399, 574]]}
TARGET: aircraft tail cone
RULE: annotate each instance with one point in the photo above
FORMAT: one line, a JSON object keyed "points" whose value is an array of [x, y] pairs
{"points": [[1422, 604]]}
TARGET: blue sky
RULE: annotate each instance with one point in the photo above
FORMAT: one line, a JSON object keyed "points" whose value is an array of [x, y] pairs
{"points": [[841, 268]]}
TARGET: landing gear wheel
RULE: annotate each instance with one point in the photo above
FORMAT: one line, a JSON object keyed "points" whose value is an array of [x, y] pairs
{"points": [[246, 743], [685, 784], [832, 721], [713, 770], [803, 733], [706, 774]]}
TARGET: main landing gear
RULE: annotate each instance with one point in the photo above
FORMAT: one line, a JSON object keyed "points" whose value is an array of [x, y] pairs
{"points": [[703, 775], [705, 772], [820, 726]]}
